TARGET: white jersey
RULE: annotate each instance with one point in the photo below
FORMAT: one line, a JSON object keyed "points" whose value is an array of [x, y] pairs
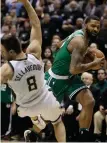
{"points": [[28, 81]]}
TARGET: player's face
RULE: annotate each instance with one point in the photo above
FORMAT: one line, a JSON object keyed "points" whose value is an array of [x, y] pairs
{"points": [[4, 53], [93, 28]]}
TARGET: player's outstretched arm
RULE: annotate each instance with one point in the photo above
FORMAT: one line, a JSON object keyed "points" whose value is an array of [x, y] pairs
{"points": [[6, 73], [34, 20], [36, 36], [78, 51]]}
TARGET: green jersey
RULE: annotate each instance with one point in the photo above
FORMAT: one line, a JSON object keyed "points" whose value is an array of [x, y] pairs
{"points": [[63, 57], [61, 81], [6, 96]]}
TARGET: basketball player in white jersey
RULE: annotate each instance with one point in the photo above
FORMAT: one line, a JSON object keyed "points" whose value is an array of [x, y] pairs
{"points": [[25, 75]]}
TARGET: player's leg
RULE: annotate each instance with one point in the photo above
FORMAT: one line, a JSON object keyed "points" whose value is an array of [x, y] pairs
{"points": [[52, 111], [86, 99], [82, 95], [34, 134], [59, 130], [58, 125]]}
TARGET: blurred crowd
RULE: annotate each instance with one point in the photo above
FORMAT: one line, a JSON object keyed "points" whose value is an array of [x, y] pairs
{"points": [[59, 18]]}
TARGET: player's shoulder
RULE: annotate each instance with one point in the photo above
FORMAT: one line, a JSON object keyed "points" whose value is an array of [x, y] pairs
{"points": [[7, 70], [78, 39], [76, 43], [35, 56]]}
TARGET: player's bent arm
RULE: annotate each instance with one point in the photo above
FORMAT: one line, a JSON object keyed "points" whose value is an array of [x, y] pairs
{"points": [[35, 22], [78, 52], [35, 49], [6, 73]]}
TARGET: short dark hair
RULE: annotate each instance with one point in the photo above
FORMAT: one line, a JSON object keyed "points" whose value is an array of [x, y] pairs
{"points": [[92, 17], [11, 42], [103, 70]]}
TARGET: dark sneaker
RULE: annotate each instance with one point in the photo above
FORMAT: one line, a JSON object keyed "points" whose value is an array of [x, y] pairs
{"points": [[27, 135]]}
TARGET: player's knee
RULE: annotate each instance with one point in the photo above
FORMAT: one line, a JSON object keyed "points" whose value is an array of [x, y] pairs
{"points": [[90, 102]]}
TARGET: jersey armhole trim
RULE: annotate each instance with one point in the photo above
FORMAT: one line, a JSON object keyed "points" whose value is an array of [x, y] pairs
{"points": [[11, 66], [34, 56]]}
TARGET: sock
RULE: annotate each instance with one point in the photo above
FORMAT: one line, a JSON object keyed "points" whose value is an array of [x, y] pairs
{"points": [[34, 136], [83, 129], [84, 135]]}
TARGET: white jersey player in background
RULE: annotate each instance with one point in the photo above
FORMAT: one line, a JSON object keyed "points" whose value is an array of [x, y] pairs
{"points": [[25, 75]]}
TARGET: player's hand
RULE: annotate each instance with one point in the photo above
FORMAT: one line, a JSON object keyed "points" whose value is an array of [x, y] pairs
{"points": [[69, 110], [99, 63]]}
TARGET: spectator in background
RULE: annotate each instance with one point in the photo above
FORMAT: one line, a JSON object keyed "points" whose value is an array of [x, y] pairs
{"points": [[100, 9], [79, 24], [72, 11], [40, 12], [5, 29], [40, 3], [102, 82], [104, 13], [7, 109], [48, 65], [56, 37], [24, 39], [22, 16], [55, 44], [13, 30], [87, 78], [25, 28], [57, 16], [4, 8], [102, 39], [48, 54], [12, 13], [67, 28], [99, 116], [48, 6], [8, 20], [90, 8], [48, 30], [11, 5], [102, 86], [56, 8]]}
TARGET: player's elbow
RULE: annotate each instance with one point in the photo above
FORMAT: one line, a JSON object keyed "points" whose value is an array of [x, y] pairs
{"points": [[76, 70], [73, 70]]}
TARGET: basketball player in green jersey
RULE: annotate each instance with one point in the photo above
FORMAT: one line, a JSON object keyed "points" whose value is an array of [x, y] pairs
{"points": [[63, 77]]}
